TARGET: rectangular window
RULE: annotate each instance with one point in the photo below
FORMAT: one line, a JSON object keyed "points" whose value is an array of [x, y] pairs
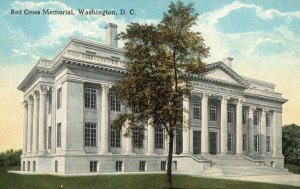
{"points": [[175, 165], [178, 141], [196, 110], [58, 98], [212, 113], [49, 103], [90, 134], [196, 142], [229, 141], [28, 165], [119, 166], [256, 143], [56, 166], [229, 115], [23, 166], [244, 116], [33, 166], [163, 166], [90, 95], [268, 142], [244, 142], [142, 165], [159, 137], [115, 103], [49, 137], [93, 166], [115, 138], [137, 135], [255, 118], [267, 119], [58, 135]]}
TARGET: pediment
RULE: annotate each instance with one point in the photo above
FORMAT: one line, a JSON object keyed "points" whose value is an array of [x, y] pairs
{"points": [[219, 74]]}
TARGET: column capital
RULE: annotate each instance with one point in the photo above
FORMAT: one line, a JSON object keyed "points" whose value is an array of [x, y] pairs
{"points": [[25, 103], [105, 87], [224, 99], [252, 109], [30, 101], [240, 101], [44, 89], [277, 110], [264, 111], [36, 95], [205, 96]]}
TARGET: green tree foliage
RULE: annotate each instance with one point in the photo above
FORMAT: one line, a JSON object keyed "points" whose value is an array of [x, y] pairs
{"points": [[291, 143], [10, 157], [160, 59]]}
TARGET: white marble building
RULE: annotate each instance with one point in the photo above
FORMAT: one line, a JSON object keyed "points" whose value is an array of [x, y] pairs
{"points": [[69, 107]]}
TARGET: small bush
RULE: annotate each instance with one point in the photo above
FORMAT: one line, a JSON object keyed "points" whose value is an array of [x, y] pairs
{"points": [[10, 157], [291, 143]]}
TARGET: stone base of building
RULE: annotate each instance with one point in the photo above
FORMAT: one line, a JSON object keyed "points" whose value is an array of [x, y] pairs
{"points": [[107, 163], [69, 164]]}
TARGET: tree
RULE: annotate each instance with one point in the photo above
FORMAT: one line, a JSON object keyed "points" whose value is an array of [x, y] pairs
{"points": [[160, 61], [10, 157], [291, 143]]}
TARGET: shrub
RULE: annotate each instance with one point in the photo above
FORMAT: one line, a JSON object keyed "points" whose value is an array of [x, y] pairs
{"points": [[10, 157], [291, 143]]}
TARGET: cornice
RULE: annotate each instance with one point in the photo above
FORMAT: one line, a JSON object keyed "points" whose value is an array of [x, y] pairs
{"points": [[281, 100], [37, 72]]}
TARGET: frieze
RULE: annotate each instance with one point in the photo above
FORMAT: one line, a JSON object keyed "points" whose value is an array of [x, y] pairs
{"points": [[216, 88]]}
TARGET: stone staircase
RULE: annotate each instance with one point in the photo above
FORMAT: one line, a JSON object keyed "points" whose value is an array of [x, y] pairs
{"points": [[231, 165]]}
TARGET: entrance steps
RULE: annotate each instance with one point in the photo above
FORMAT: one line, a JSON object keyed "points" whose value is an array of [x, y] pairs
{"points": [[232, 165]]}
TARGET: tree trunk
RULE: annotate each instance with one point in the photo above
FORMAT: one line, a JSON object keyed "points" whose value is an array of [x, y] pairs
{"points": [[169, 165]]}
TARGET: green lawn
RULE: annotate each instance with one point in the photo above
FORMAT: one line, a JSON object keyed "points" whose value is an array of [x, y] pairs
{"points": [[156, 181], [294, 168]]}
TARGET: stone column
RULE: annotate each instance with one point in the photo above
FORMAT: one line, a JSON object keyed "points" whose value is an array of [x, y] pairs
{"points": [[128, 144], [277, 133], [151, 137], [29, 130], [185, 129], [167, 141], [42, 121], [35, 124], [239, 127], [104, 118], [25, 126], [204, 130], [224, 125], [263, 132], [251, 135]]}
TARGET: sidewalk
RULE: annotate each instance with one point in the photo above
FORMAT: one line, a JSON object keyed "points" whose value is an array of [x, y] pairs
{"points": [[292, 180]]}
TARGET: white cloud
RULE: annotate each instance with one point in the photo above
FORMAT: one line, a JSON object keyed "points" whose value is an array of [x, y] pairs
{"points": [[66, 26], [36, 5], [214, 16], [22, 53], [223, 43]]}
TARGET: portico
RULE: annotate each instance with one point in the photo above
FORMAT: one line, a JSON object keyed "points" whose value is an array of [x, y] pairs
{"points": [[218, 129]]}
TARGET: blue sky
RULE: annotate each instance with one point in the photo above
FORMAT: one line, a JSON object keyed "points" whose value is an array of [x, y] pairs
{"points": [[262, 36]]}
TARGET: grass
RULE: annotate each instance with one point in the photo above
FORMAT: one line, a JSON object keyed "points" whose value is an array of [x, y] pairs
{"points": [[294, 168], [155, 181]]}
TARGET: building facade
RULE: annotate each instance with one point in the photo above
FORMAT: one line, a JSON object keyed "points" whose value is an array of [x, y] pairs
{"points": [[69, 107]]}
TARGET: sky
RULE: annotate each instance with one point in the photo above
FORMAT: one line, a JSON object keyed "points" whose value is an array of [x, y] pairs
{"points": [[263, 37]]}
